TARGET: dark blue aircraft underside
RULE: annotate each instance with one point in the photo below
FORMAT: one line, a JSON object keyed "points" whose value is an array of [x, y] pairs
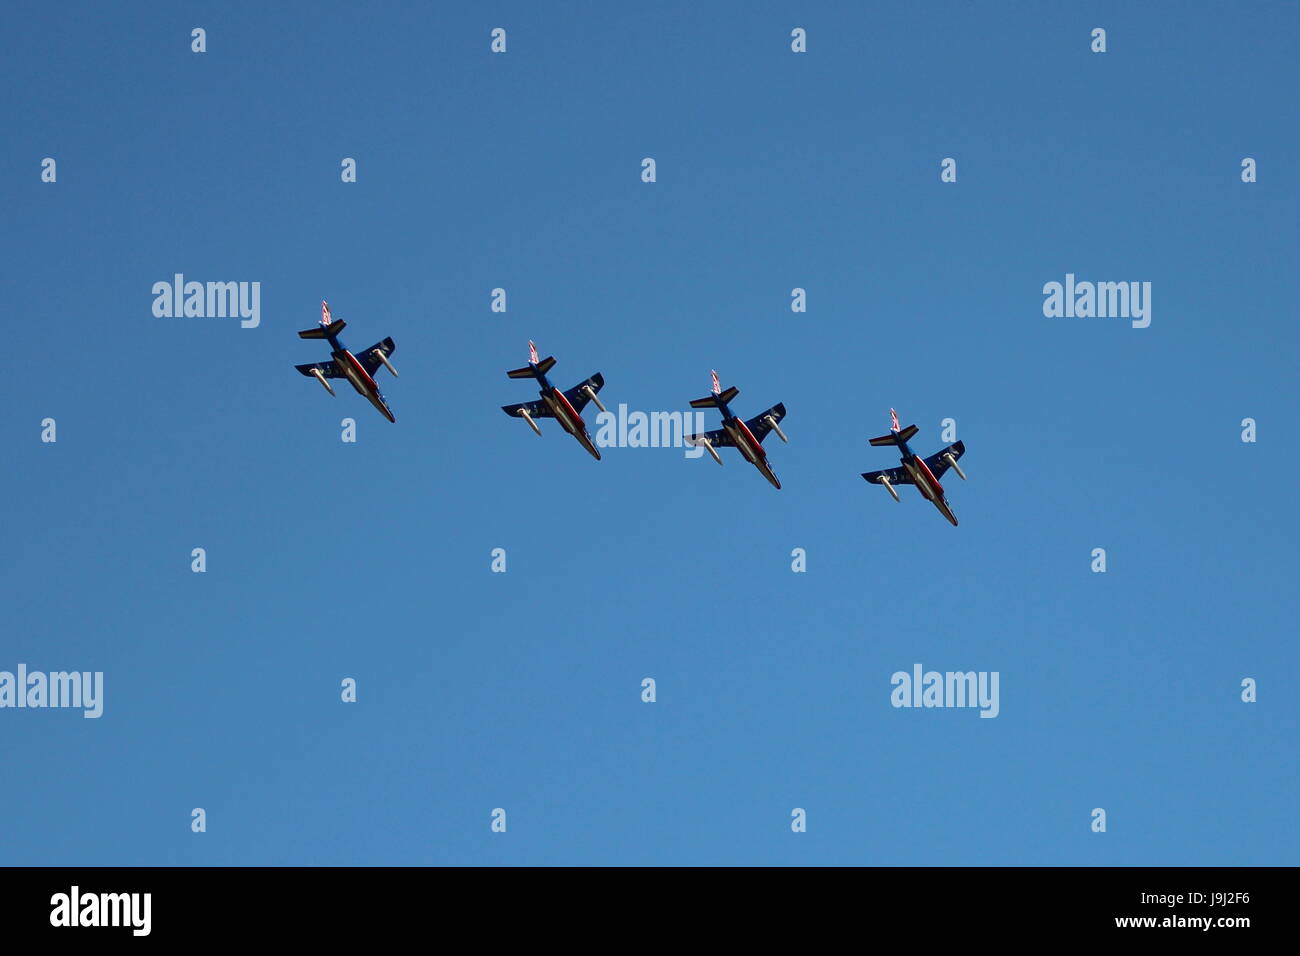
{"points": [[341, 364], [937, 464]]}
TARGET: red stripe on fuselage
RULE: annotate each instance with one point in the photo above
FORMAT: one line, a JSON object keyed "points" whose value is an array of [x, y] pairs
{"points": [[568, 408], [929, 476], [365, 376], [756, 447]]}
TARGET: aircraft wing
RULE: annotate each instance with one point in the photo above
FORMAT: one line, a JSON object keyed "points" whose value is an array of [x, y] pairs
{"points": [[537, 409], [896, 476], [328, 369], [578, 396], [938, 463], [367, 358], [759, 425], [718, 438]]}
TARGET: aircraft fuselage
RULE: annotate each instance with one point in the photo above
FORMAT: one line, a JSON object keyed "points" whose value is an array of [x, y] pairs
{"points": [[566, 415], [926, 483], [361, 380], [749, 446]]}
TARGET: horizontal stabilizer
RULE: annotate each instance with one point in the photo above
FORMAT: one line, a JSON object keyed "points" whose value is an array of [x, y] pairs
{"points": [[324, 331], [528, 371], [896, 438], [714, 401]]}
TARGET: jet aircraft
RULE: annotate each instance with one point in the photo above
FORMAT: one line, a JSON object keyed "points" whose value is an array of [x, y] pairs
{"points": [[745, 435], [922, 472], [566, 407], [359, 371]]}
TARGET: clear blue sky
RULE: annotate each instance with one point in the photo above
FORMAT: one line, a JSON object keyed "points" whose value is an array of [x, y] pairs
{"points": [[522, 690]]}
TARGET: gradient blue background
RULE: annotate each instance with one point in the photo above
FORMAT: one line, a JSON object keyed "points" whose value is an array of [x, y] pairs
{"points": [[522, 690]]}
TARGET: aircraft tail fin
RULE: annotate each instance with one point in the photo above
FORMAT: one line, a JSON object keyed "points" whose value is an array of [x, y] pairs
{"points": [[324, 331], [896, 438], [718, 400], [534, 368]]}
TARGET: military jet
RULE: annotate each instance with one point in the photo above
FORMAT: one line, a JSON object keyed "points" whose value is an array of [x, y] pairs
{"points": [[343, 364], [922, 472], [565, 407], [745, 435]]}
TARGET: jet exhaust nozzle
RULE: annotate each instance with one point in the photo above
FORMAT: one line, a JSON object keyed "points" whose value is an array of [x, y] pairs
{"points": [[320, 377], [523, 413]]}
